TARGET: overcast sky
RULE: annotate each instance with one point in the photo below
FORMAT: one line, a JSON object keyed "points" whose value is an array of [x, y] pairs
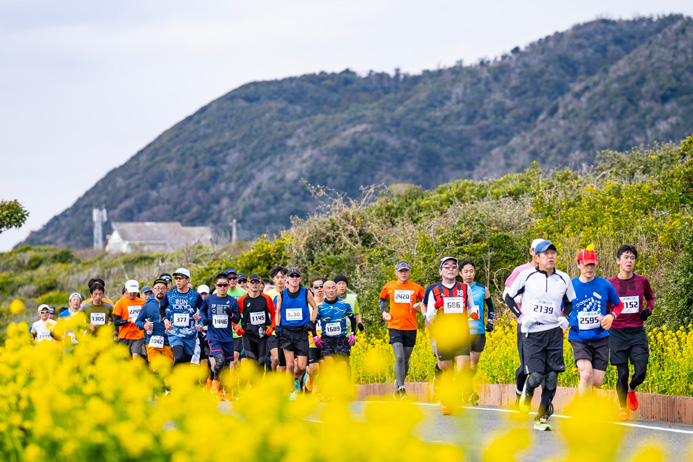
{"points": [[85, 84]]}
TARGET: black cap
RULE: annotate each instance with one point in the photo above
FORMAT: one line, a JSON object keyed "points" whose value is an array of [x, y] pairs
{"points": [[341, 278], [255, 276], [160, 281], [293, 271], [242, 276]]}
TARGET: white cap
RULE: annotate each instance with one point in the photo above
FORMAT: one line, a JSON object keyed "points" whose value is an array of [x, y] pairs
{"points": [[43, 307], [132, 286], [203, 289], [182, 272], [535, 242]]}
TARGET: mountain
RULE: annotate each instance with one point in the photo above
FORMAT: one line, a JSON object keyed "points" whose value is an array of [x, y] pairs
{"points": [[602, 84]]}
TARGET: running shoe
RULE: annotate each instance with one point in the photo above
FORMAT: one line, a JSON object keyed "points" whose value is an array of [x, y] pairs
{"points": [[525, 402], [297, 385], [214, 388], [542, 425], [292, 396], [624, 414], [401, 394], [549, 411], [208, 385], [308, 380], [474, 399], [632, 401], [447, 410]]}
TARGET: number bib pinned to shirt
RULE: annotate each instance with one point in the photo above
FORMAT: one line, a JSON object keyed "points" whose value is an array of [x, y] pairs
{"points": [[156, 341], [333, 329], [43, 335], [98, 319], [181, 319], [453, 305], [257, 318], [544, 310], [294, 314], [630, 304], [133, 312], [403, 296], [588, 320], [220, 321]]}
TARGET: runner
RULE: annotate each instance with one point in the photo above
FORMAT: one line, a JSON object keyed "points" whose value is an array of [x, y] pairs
{"points": [[97, 309], [628, 336], [236, 292], [169, 281], [257, 320], [314, 353], [296, 313], [243, 281], [589, 321], [42, 329], [181, 305], [481, 295], [146, 292], [543, 290], [350, 297], [520, 375], [151, 321], [405, 298], [103, 299], [336, 338], [219, 313], [278, 275], [51, 313], [205, 355], [74, 302], [125, 313], [451, 305]]}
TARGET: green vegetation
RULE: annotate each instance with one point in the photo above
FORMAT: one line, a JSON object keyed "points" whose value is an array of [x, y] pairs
{"points": [[600, 85], [12, 215]]}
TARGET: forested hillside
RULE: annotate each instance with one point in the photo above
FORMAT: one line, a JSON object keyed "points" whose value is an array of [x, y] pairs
{"points": [[602, 84]]}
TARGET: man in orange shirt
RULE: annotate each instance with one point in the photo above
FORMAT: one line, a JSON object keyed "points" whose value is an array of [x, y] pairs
{"points": [[125, 313], [405, 300]]}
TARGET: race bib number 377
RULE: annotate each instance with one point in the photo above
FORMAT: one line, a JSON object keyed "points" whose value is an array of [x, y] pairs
{"points": [[181, 319]]}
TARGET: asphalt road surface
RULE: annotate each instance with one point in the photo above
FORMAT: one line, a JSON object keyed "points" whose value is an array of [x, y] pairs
{"points": [[476, 426]]}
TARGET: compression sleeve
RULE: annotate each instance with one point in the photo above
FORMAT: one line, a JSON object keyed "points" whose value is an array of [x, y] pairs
{"points": [[512, 305], [383, 304], [118, 321], [491, 309], [352, 318], [567, 306]]}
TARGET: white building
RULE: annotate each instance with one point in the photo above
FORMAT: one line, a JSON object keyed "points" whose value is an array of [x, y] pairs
{"points": [[152, 237]]}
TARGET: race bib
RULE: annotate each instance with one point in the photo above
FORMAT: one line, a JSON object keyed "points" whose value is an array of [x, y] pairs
{"points": [[333, 329], [98, 319], [156, 341], [220, 321], [453, 305], [544, 310], [257, 318], [403, 296], [588, 320], [43, 335], [631, 304], [181, 319], [294, 314], [133, 312]]}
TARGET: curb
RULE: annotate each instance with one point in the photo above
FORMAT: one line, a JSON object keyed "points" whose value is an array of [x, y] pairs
{"points": [[663, 408]]}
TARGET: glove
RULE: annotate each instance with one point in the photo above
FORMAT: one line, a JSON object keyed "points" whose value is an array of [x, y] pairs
{"points": [[352, 339], [474, 315], [228, 311], [269, 331], [563, 322], [360, 326], [239, 330], [206, 322], [527, 321], [489, 326], [644, 314], [439, 303], [317, 341], [310, 325]]}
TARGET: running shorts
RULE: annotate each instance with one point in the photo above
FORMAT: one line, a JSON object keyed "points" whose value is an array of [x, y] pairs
{"points": [[629, 342], [596, 351], [336, 345], [406, 337], [294, 339], [543, 351], [478, 342]]}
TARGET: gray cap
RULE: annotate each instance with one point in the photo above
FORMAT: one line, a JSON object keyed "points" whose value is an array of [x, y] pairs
{"points": [[145, 289], [402, 265]]}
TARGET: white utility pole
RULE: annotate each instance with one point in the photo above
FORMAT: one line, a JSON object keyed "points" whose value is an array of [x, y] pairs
{"points": [[99, 216]]}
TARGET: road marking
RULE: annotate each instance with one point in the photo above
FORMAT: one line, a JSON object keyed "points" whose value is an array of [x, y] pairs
{"points": [[647, 427]]}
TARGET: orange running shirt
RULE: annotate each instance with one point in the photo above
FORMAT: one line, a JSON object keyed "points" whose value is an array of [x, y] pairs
{"points": [[129, 309], [402, 297]]}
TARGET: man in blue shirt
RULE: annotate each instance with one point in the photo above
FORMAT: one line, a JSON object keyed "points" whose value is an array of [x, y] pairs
{"points": [[182, 315], [151, 321], [589, 321]]}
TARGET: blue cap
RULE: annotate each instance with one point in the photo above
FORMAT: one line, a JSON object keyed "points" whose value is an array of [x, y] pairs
{"points": [[543, 246], [229, 271]]}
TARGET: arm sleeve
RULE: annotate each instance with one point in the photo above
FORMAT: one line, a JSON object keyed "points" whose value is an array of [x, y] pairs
{"points": [[198, 302], [567, 305], [383, 304], [352, 318], [649, 296], [489, 305], [512, 305], [118, 321]]}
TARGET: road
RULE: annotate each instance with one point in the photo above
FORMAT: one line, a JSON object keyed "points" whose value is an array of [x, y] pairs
{"points": [[476, 426]]}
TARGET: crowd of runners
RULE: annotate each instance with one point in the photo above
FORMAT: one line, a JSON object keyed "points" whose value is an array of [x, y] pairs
{"points": [[280, 325]]}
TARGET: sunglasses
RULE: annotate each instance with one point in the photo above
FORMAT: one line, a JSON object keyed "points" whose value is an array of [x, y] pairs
{"points": [[242, 280], [45, 312], [178, 278], [449, 266], [254, 281], [317, 287], [294, 276], [222, 285], [232, 278]]}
